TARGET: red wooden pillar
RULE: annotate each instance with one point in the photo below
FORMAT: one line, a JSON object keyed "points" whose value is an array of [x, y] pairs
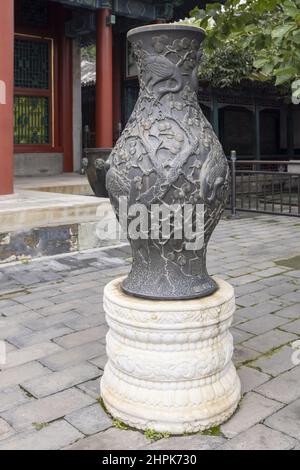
{"points": [[6, 95], [104, 81], [67, 103], [65, 90], [117, 90]]}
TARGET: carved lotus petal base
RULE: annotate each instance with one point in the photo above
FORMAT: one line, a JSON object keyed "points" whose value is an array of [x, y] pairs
{"points": [[169, 362]]}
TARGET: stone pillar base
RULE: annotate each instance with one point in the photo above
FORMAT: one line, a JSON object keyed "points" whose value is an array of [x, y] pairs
{"points": [[169, 362]]}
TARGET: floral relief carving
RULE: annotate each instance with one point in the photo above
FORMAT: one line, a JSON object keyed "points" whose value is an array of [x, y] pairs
{"points": [[168, 154]]}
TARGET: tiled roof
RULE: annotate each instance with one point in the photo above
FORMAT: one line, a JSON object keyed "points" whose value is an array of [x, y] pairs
{"points": [[88, 72]]}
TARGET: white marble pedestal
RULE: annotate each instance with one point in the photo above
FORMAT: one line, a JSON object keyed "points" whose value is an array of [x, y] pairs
{"points": [[169, 362]]}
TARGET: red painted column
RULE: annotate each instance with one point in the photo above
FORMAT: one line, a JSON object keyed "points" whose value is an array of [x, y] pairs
{"points": [[65, 82], [104, 81], [6, 96], [67, 103], [117, 86]]}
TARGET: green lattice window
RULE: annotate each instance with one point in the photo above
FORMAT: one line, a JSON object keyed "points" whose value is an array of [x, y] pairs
{"points": [[33, 94], [31, 120], [31, 63]]}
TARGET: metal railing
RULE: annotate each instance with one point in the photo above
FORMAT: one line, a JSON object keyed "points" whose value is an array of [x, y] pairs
{"points": [[264, 190]]}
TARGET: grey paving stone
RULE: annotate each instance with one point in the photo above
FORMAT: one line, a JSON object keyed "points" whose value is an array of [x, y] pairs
{"points": [[242, 355], [287, 420], [239, 336], [91, 387], [100, 361], [263, 324], [9, 347], [67, 358], [14, 309], [253, 299], [293, 297], [233, 250], [284, 388], [82, 322], [5, 429], [11, 397], [241, 280], [112, 439], [270, 340], [193, 442], [281, 289], [251, 378], [253, 409], [90, 420], [13, 330], [47, 409], [40, 336], [295, 274], [31, 353], [57, 381], [70, 296], [238, 318], [56, 309], [81, 337], [18, 319], [259, 310], [39, 303], [276, 363], [4, 303], [260, 437], [277, 280], [293, 311], [19, 374], [292, 327], [249, 288], [52, 437], [51, 320], [271, 272]]}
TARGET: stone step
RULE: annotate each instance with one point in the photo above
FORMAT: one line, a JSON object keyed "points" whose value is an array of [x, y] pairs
{"points": [[68, 183], [38, 223]]}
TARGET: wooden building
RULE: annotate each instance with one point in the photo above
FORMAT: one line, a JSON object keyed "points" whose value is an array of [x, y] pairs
{"points": [[41, 110], [40, 79]]}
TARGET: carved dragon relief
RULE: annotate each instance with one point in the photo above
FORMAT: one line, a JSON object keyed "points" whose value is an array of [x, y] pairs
{"points": [[169, 154]]}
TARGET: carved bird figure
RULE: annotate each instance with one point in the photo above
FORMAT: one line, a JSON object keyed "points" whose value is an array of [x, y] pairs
{"points": [[214, 175], [159, 69]]}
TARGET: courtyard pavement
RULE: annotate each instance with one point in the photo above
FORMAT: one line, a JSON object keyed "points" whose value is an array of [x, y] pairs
{"points": [[53, 323]]}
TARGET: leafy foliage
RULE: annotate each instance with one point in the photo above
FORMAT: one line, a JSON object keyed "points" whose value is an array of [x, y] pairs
{"points": [[155, 436], [89, 53], [266, 29], [226, 67]]}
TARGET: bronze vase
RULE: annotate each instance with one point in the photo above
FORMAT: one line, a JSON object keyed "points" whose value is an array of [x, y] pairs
{"points": [[168, 154]]}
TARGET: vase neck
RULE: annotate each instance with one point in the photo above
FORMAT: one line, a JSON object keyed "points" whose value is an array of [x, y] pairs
{"points": [[167, 63]]}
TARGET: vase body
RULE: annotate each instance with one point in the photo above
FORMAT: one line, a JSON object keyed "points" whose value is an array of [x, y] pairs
{"points": [[168, 155]]}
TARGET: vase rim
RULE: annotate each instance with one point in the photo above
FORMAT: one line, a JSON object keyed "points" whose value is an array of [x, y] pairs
{"points": [[164, 27]]}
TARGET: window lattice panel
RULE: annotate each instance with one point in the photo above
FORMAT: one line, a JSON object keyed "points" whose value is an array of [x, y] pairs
{"points": [[31, 120], [31, 64]]}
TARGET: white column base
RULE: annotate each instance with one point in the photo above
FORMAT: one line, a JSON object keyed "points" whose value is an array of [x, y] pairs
{"points": [[169, 362]]}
